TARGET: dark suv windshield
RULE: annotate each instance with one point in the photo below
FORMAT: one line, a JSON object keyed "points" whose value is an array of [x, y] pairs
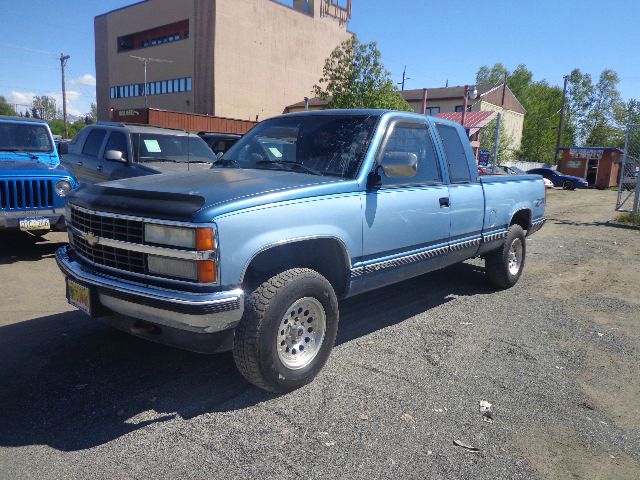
{"points": [[331, 145], [25, 137], [151, 147]]}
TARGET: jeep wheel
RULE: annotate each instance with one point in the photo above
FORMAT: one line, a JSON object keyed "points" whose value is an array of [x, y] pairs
{"points": [[287, 331], [504, 266]]}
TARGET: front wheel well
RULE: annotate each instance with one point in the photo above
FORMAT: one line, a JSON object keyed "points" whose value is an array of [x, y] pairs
{"points": [[327, 256]]}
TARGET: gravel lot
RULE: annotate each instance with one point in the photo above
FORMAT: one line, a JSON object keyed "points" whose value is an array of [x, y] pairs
{"points": [[558, 356]]}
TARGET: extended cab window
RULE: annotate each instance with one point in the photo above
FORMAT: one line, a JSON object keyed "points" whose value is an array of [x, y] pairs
{"points": [[412, 138], [456, 156], [117, 141], [93, 143]]}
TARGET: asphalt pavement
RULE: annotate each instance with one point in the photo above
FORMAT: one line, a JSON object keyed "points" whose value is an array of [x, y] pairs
{"points": [[556, 356]]}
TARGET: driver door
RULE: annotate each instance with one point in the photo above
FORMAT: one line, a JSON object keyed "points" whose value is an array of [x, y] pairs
{"points": [[406, 220]]}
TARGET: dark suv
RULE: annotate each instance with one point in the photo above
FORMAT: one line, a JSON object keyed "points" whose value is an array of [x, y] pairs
{"points": [[219, 142], [110, 151]]}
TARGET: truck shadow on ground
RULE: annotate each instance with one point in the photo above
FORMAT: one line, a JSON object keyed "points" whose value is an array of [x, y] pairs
{"points": [[73, 383], [22, 247]]}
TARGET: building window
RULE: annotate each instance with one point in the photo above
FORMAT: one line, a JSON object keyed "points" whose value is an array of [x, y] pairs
{"points": [[460, 107], [433, 111], [172, 32], [161, 87]]}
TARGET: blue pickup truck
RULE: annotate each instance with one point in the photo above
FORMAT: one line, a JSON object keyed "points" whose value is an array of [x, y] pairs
{"points": [[305, 209], [33, 184]]}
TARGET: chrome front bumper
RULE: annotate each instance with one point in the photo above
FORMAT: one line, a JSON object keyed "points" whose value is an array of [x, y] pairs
{"points": [[194, 312]]}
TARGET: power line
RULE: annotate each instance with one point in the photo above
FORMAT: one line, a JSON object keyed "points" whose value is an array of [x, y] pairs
{"points": [[26, 49]]}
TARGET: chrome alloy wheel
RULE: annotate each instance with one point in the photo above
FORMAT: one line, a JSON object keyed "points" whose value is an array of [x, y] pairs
{"points": [[301, 333], [515, 257]]}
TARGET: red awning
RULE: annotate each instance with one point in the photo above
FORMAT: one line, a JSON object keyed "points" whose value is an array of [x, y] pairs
{"points": [[473, 121]]}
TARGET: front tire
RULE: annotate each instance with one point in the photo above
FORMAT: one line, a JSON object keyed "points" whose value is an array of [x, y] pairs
{"points": [[504, 266], [288, 330], [568, 185]]}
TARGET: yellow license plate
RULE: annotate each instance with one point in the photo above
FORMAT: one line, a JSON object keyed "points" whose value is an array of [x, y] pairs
{"points": [[79, 296], [30, 224]]}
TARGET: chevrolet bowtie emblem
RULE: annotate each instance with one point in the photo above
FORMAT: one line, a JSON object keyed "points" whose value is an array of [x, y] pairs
{"points": [[91, 239]]}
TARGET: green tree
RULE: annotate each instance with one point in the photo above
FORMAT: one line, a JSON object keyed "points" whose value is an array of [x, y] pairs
{"points": [[505, 146], [540, 132], [57, 127], [94, 111], [45, 107], [354, 77], [580, 101], [5, 108], [601, 118], [491, 75]]}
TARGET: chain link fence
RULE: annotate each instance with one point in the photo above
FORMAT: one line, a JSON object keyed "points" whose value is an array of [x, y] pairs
{"points": [[629, 186]]}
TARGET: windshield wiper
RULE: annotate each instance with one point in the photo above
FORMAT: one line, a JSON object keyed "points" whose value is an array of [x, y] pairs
{"points": [[292, 163], [226, 161], [20, 152]]}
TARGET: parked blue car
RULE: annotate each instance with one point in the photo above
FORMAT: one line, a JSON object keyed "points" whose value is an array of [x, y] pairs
{"points": [[567, 182], [33, 184], [253, 254]]}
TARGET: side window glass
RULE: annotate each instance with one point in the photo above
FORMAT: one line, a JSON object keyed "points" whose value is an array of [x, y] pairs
{"points": [[413, 138], [117, 141], [456, 156], [93, 143]]}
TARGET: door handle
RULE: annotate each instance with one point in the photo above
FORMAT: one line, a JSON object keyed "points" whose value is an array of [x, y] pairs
{"points": [[80, 164], [99, 168], [444, 202]]}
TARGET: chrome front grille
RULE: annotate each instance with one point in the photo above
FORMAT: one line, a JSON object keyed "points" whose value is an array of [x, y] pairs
{"points": [[116, 228], [26, 194], [111, 257]]}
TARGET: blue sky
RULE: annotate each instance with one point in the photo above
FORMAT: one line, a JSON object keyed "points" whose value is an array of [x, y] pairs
{"points": [[437, 40]]}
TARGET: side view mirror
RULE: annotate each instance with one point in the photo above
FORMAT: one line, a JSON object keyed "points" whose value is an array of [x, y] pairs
{"points": [[63, 148], [114, 156], [400, 164]]}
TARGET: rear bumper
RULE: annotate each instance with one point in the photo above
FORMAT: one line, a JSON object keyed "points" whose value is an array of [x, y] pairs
{"points": [[187, 311], [10, 219]]}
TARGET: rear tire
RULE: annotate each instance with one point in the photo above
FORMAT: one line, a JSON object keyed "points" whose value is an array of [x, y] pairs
{"points": [[568, 185], [288, 330], [504, 266]]}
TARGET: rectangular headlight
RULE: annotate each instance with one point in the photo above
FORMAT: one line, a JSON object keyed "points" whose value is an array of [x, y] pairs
{"points": [[173, 267], [170, 236]]}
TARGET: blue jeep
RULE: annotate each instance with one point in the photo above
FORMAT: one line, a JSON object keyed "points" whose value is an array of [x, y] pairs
{"points": [[253, 254], [33, 184]]}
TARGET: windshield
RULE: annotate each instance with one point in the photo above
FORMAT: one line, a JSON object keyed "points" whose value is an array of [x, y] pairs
{"points": [[25, 137], [151, 147], [331, 145]]}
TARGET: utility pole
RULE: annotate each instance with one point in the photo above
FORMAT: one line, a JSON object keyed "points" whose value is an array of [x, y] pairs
{"points": [[564, 96], [63, 63], [404, 78]]}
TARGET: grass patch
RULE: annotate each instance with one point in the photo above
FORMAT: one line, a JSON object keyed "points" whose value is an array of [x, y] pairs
{"points": [[628, 217]]}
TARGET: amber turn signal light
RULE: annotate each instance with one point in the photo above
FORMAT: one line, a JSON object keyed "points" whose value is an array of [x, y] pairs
{"points": [[204, 239], [207, 271]]}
